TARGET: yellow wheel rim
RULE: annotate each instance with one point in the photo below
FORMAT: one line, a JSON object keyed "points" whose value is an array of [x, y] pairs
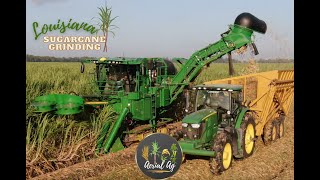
{"points": [[281, 129], [183, 157], [227, 155], [274, 133], [249, 138]]}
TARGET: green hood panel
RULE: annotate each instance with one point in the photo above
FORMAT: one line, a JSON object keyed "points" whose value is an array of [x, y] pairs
{"points": [[198, 116]]}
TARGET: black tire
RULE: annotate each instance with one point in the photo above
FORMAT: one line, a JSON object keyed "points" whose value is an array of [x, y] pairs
{"points": [[222, 144], [248, 137], [270, 132]]}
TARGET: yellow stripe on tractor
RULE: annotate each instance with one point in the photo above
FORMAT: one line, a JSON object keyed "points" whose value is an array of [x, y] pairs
{"points": [[95, 103]]}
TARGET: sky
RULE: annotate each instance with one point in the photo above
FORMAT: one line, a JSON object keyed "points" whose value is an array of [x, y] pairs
{"points": [[163, 28]]}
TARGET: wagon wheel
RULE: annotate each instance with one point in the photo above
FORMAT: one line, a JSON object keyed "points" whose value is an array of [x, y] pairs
{"points": [[248, 143], [224, 154], [281, 129], [270, 132]]}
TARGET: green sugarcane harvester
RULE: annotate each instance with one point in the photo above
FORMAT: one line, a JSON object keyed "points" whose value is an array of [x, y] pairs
{"points": [[147, 92]]}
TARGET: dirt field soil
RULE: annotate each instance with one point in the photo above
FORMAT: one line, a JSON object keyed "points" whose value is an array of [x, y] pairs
{"points": [[275, 161]]}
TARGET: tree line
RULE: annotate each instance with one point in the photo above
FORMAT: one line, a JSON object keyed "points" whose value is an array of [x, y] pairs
{"points": [[32, 58]]}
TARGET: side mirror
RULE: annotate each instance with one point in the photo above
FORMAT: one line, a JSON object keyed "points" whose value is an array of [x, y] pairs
{"points": [[82, 67]]}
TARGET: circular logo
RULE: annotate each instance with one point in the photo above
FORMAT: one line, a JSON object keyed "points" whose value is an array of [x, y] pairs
{"points": [[159, 156]]}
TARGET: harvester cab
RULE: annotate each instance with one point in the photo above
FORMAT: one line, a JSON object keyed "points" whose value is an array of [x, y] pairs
{"points": [[116, 75]]}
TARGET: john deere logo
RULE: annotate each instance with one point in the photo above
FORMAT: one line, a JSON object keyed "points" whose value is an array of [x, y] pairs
{"points": [[159, 156]]}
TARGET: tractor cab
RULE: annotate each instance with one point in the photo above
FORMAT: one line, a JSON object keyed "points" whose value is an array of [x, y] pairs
{"points": [[218, 96]]}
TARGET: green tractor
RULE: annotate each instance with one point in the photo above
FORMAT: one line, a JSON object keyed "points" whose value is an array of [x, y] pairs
{"points": [[220, 127], [229, 114]]}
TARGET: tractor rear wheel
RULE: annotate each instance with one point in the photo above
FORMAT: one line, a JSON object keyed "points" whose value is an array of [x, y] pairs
{"points": [[224, 155], [248, 143], [270, 132]]}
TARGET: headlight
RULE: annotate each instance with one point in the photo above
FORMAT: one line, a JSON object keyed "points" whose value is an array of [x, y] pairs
{"points": [[184, 125], [195, 125]]}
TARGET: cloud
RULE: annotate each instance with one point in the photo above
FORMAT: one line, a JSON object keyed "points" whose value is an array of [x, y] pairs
{"points": [[41, 2]]}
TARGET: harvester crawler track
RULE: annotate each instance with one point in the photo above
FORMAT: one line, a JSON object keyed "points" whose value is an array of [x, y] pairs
{"points": [[140, 132]]}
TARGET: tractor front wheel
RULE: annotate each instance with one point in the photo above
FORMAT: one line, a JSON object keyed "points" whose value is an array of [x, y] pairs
{"points": [[248, 143], [224, 155]]}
